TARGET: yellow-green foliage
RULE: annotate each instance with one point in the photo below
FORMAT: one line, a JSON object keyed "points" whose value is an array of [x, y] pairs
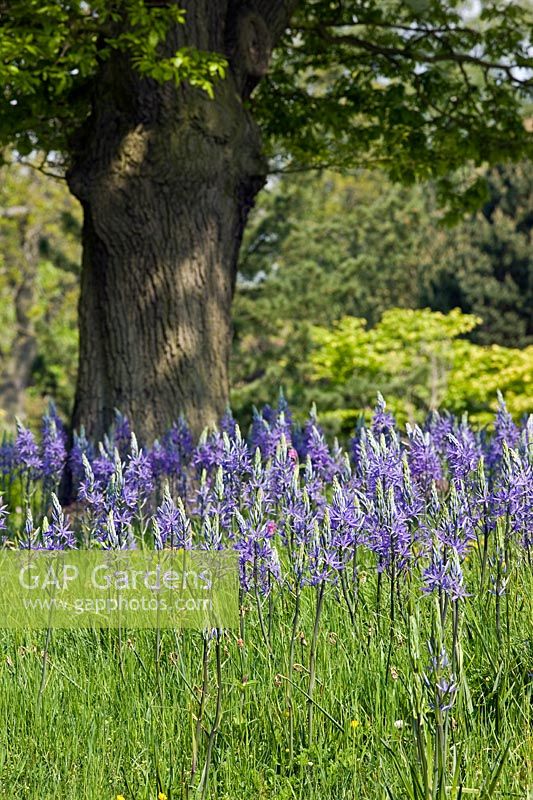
{"points": [[418, 360], [479, 371]]}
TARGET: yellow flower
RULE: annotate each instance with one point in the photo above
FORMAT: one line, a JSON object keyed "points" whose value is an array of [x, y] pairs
{"points": [[120, 797], [161, 796], [354, 723]]}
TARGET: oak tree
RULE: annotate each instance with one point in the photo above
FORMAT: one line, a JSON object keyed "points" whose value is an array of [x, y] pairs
{"points": [[163, 116]]}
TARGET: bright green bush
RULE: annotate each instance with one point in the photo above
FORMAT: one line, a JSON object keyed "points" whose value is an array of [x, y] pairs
{"points": [[417, 358]]}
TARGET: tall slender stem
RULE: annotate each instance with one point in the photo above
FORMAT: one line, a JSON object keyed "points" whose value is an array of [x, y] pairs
{"points": [[312, 661], [216, 723], [201, 707]]}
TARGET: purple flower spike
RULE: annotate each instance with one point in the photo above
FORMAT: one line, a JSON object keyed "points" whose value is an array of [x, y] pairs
{"points": [[382, 421], [138, 473], [80, 448], [7, 457], [58, 535], [423, 457], [172, 525], [26, 452], [121, 433], [54, 448], [445, 576], [504, 431], [463, 452]]}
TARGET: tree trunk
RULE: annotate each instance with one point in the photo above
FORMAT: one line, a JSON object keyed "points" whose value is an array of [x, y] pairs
{"points": [[166, 178]]}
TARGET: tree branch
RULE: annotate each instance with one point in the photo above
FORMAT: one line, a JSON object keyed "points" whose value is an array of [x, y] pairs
{"points": [[396, 26], [14, 211], [276, 14], [391, 52]]}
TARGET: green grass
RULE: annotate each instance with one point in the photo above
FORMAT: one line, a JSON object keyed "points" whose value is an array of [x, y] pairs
{"points": [[95, 714]]}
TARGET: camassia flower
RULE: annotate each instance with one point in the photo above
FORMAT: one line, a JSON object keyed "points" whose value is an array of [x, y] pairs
{"points": [[505, 432], [409, 505], [57, 534], [444, 575], [53, 447], [26, 452], [463, 452], [172, 525]]}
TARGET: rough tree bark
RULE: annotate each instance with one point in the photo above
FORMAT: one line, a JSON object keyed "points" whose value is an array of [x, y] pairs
{"points": [[166, 178]]}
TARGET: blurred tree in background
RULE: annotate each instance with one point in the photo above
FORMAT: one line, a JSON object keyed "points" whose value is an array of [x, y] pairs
{"points": [[318, 248], [485, 265], [322, 247], [39, 285]]}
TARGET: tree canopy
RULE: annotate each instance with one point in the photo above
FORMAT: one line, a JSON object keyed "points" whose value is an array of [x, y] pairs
{"points": [[418, 87]]}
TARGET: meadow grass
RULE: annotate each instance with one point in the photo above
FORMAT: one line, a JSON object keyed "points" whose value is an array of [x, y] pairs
{"points": [[384, 649], [97, 714]]}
